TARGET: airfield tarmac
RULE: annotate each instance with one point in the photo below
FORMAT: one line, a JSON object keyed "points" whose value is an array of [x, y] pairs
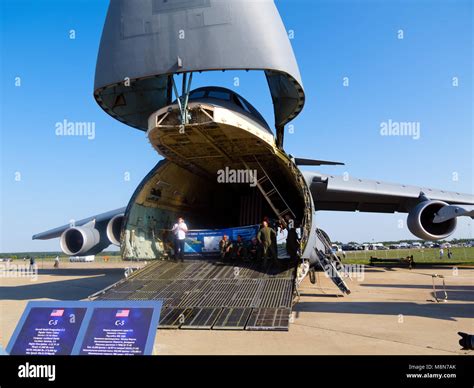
{"points": [[390, 311]]}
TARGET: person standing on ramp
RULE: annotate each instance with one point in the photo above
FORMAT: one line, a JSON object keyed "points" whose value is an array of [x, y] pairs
{"points": [[179, 229], [265, 236]]}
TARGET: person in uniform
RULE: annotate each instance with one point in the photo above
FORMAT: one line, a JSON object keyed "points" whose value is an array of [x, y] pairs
{"points": [[272, 224], [267, 236]]}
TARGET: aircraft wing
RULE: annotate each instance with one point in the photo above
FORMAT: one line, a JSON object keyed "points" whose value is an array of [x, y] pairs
{"points": [[56, 232], [342, 193]]}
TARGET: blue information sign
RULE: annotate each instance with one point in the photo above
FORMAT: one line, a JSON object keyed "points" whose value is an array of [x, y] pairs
{"points": [[47, 329], [121, 329], [86, 327]]}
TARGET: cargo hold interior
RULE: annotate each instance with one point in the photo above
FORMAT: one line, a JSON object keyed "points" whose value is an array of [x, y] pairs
{"points": [[170, 191]]}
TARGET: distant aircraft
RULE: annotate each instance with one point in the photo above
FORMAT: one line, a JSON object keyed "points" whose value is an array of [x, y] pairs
{"points": [[145, 46]]}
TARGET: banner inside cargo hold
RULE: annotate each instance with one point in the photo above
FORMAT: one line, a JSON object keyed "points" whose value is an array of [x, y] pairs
{"points": [[206, 241]]}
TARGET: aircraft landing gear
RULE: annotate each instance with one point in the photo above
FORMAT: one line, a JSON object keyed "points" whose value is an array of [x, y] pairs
{"points": [[312, 275]]}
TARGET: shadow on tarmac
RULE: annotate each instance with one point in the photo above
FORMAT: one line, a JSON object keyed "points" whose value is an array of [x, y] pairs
{"points": [[444, 311], [73, 289]]}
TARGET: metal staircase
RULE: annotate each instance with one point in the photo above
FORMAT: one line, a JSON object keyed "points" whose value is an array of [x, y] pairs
{"points": [[270, 192], [330, 263]]}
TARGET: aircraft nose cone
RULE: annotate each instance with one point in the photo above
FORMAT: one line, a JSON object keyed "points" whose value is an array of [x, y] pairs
{"points": [[144, 42]]}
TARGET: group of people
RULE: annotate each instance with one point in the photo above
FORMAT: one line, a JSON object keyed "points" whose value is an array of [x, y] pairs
{"points": [[262, 247], [441, 253], [235, 249]]}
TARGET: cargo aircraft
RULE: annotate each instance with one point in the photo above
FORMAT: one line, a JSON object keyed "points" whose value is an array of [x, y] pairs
{"points": [[147, 47]]}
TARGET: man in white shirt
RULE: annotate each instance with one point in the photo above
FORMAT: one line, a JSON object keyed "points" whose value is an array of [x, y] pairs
{"points": [[179, 230]]}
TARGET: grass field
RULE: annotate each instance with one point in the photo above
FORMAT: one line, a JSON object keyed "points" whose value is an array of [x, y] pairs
{"points": [[428, 256], [460, 256]]}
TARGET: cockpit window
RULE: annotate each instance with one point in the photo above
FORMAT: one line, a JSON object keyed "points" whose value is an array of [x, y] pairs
{"points": [[220, 95], [244, 105], [197, 94], [223, 94]]}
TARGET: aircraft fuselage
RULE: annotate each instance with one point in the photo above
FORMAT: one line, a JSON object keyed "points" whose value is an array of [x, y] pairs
{"points": [[218, 137]]}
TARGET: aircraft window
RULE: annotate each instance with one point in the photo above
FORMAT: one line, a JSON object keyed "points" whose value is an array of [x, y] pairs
{"points": [[219, 95], [198, 94], [237, 101], [244, 104]]}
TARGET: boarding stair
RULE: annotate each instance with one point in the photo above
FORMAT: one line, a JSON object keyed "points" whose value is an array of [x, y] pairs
{"points": [[330, 262]]}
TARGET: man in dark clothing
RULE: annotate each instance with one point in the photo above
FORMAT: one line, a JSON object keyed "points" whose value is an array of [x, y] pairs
{"points": [[32, 263], [267, 236], [239, 249], [225, 246], [254, 250], [292, 241]]}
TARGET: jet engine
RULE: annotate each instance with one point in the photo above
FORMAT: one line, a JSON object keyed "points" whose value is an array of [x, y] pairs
{"points": [[114, 228], [79, 240], [92, 237], [420, 221]]}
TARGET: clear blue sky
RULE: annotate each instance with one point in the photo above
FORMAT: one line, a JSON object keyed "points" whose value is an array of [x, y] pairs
{"points": [[406, 79]]}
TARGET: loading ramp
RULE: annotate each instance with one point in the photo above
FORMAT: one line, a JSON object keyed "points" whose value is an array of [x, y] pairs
{"points": [[209, 294]]}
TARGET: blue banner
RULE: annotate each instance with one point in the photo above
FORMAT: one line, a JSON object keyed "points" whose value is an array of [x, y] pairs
{"points": [[206, 241]]}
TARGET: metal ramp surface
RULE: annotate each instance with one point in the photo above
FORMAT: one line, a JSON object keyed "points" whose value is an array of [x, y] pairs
{"points": [[208, 294]]}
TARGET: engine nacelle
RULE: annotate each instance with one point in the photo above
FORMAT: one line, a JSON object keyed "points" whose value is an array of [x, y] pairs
{"points": [[114, 228], [420, 221], [79, 239]]}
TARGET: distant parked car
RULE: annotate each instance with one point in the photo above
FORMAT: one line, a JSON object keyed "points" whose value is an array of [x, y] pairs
{"points": [[351, 247], [377, 247]]}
